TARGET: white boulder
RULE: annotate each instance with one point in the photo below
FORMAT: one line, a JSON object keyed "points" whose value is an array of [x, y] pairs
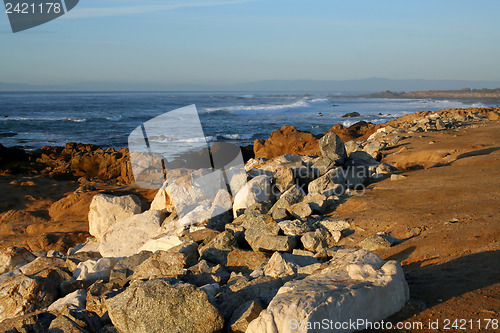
{"points": [[106, 210], [75, 300], [94, 269], [356, 284], [256, 190], [125, 238]]}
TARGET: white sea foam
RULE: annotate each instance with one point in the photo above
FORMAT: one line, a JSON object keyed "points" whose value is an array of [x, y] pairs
{"points": [[302, 103]]}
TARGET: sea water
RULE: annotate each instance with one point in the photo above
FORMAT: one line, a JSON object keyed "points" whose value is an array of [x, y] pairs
{"points": [[32, 120]]}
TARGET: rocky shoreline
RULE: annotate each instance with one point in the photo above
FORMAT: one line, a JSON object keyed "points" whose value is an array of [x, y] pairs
{"points": [[275, 253]]}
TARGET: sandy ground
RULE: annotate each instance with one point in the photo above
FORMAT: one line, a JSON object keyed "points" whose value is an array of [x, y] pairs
{"points": [[449, 218], [446, 210]]}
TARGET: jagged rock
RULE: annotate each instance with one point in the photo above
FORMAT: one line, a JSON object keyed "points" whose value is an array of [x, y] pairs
{"points": [[126, 267], [332, 147], [38, 321], [334, 225], [249, 260], [329, 184], [14, 257], [354, 284], [317, 202], [301, 210], [397, 177], [440, 125], [292, 196], [73, 260], [283, 264], [106, 210], [273, 243], [378, 241], [156, 306], [373, 148], [352, 146], [159, 265], [97, 295], [287, 140], [323, 165], [94, 269], [257, 225], [23, 294], [284, 179], [315, 240], [256, 190], [205, 273], [163, 243], [244, 315], [385, 169], [242, 290], [76, 300], [40, 264], [361, 158], [66, 325], [88, 321], [125, 238], [218, 248], [294, 228], [351, 115]]}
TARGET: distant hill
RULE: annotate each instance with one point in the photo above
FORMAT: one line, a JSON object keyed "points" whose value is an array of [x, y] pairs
{"points": [[369, 85], [465, 93]]}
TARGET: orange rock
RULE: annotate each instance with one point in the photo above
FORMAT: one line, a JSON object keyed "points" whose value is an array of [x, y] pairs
{"points": [[287, 140]]}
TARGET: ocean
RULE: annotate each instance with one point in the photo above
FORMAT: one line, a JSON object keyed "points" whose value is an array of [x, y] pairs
{"points": [[32, 120]]}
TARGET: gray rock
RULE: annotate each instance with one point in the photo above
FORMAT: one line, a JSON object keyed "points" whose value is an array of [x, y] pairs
{"points": [[156, 306], [301, 210], [217, 249], [284, 179], [329, 184], [317, 202], [315, 240], [292, 196], [66, 325], [332, 147], [283, 264], [323, 165], [38, 321], [258, 225], [161, 264], [126, 267], [378, 241], [273, 243], [204, 273], [242, 290], [94, 269], [294, 228], [244, 315], [352, 146], [76, 300]]}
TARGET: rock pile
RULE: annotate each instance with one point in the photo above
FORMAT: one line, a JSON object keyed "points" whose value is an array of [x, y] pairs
{"points": [[254, 256]]}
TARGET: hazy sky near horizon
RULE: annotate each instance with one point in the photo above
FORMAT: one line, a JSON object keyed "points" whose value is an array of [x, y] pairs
{"points": [[230, 41]]}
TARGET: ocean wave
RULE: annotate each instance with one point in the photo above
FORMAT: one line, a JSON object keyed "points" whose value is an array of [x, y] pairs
{"points": [[25, 119], [236, 136], [302, 103]]}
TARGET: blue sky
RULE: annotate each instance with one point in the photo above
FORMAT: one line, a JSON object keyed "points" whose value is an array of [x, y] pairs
{"points": [[230, 41]]}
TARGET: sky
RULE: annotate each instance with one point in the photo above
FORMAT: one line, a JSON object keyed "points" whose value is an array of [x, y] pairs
{"points": [[233, 41]]}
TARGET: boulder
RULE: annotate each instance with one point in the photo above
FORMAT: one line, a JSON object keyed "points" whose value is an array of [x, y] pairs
{"points": [[292, 196], [156, 306], [256, 190], [159, 265], [94, 269], [22, 294], [106, 210], [353, 285], [246, 260], [284, 179], [271, 243], [218, 248], [244, 315], [332, 147], [126, 267], [14, 257], [332, 183], [378, 241], [126, 238], [316, 240], [317, 202], [38, 321], [66, 325], [287, 140], [206, 273], [76, 300], [323, 165], [294, 228], [163, 243], [256, 225], [301, 210], [283, 264]]}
